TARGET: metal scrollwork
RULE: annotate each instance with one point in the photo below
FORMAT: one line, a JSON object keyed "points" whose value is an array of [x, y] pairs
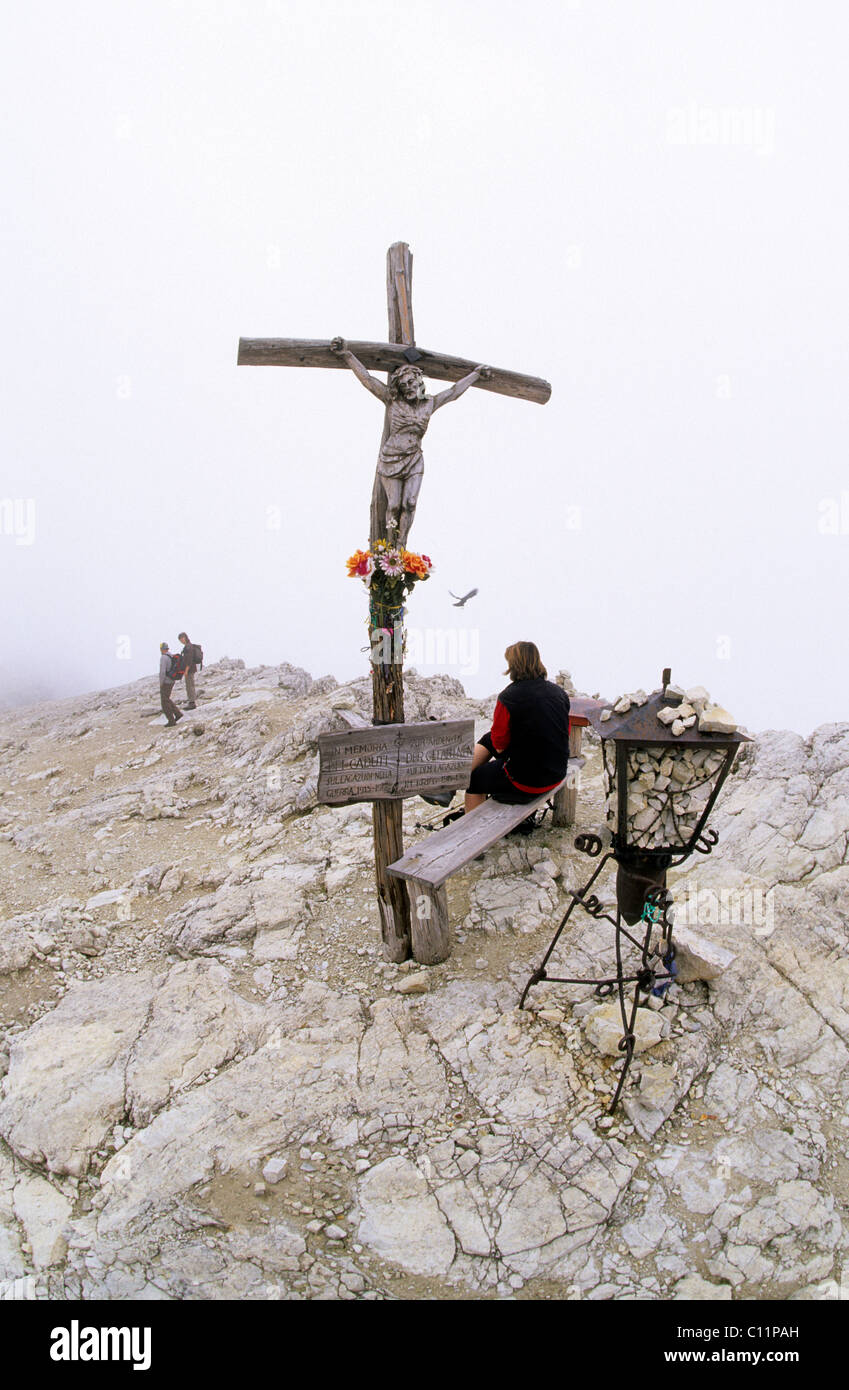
{"points": [[650, 974], [706, 841], [589, 844]]}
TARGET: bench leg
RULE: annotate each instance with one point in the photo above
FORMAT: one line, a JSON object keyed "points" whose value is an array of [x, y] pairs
{"points": [[431, 931], [566, 800]]}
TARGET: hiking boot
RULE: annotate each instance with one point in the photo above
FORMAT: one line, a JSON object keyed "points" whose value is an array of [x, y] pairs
{"points": [[443, 799], [191, 706]]}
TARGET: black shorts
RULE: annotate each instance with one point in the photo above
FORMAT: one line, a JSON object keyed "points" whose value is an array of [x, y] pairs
{"points": [[490, 779]]}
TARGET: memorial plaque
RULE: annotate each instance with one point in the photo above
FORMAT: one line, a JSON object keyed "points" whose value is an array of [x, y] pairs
{"points": [[395, 760]]}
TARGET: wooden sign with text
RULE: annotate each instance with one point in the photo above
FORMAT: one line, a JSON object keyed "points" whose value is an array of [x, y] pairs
{"points": [[392, 761]]}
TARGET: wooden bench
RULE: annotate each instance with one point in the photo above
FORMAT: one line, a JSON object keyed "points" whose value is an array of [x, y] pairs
{"points": [[427, 866]]}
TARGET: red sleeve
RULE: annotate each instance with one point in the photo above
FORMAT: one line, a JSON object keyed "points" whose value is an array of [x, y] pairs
{"points": [[500, 732]]}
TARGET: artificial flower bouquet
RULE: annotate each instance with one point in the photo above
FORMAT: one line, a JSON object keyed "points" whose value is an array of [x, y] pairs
{"points": [[389, 571]]}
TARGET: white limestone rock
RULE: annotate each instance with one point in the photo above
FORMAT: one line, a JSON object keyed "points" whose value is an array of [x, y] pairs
{"points": [[65, 1089], [414, 984], [44, 1213], [603, 1028], [697, 958], [512, 903], [694, 1288], [716, 720], [698, 698], [17, 946], [196, 1024], [401, 1220], [274, 1170], [235, 914]]}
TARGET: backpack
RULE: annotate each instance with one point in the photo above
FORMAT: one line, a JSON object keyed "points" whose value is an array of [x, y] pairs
{"points": [[197, 655], [176, 670]]}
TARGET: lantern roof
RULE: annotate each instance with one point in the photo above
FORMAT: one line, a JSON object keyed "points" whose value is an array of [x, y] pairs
{"points": [[640, 724]]}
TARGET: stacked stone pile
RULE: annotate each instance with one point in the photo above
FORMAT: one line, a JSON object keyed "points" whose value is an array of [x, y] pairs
{"points": [[667, 793]]}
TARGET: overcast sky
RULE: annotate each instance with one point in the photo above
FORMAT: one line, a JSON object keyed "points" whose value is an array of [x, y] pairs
{"points": [[645, 203]]}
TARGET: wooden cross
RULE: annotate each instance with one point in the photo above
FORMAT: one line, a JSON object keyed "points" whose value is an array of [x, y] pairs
{"points": [[387, 676]]}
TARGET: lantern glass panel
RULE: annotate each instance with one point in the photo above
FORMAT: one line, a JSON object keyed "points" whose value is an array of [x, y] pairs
{"points": [[668, 790]]}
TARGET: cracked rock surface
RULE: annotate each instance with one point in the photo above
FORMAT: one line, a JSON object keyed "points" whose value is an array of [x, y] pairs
{"points": [[193, 995]]}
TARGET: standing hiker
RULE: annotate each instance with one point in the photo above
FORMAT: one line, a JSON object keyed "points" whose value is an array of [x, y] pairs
{"points": [[192, 658], [168, 669]]}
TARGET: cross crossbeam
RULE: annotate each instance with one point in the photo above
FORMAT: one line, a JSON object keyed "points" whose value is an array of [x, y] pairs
{"points": [[385, 357]]}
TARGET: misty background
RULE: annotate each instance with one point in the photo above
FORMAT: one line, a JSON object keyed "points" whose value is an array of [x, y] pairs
{"points": [[645, 204]]}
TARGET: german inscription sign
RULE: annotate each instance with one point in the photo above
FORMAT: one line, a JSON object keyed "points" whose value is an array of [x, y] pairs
{"points": [[395, 760]]}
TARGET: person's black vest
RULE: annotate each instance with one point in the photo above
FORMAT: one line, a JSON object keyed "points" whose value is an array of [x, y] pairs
{"points": [[538, 752]]}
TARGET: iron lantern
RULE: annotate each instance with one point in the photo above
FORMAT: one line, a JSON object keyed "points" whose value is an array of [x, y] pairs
{"points": [[662, 775], [661, 788]]}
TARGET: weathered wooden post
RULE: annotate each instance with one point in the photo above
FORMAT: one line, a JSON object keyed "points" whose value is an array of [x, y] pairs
{"points": [[566, 800], [387, 677]]}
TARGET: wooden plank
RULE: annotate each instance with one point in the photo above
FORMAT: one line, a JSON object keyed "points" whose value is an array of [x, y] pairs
{"points": [[435, 756], [395, 760], [399, 292], [360, 765], [385, 357], [436, 858], [429, 923]]}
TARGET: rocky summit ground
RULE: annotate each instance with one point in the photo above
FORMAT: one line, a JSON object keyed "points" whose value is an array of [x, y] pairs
{"points": [[215, 1087]]}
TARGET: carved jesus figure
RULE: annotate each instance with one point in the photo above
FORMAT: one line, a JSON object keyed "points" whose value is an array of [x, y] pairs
{"points": [[400, 464]]}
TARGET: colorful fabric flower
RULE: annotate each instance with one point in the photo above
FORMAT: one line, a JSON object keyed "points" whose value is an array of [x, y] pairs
{"points": [[392, 564], [383, 565], [360, 564]]}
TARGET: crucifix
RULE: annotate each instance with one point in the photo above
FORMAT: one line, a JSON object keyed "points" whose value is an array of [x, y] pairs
{"points": [[400, 467]]}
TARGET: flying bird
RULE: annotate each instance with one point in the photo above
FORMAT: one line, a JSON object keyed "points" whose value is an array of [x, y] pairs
{"points": [[461, 601]]}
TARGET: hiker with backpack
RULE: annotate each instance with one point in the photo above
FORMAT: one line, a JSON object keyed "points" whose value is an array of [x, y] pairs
{"points": [[192, 658], [170, 670]]}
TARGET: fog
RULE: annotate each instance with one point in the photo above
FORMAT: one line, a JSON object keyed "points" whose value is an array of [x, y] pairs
{"points": [[645, 204]]}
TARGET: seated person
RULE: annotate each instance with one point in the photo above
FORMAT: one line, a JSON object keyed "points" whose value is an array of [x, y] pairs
{"points": [[526, 752]]}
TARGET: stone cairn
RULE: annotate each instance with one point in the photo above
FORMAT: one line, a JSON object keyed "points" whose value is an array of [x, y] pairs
{"points": [[668, 789]]}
